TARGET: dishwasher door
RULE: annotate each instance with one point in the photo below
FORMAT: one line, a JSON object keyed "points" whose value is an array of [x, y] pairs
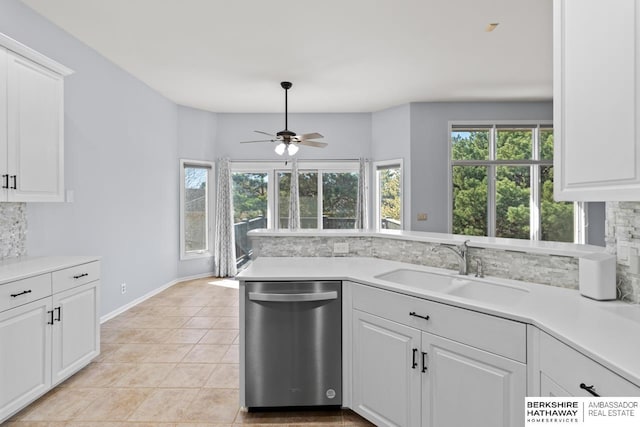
{"points": [[293, 336]]}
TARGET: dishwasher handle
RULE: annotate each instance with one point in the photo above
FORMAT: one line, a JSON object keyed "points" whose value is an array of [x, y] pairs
{"points": [[296, 297]]}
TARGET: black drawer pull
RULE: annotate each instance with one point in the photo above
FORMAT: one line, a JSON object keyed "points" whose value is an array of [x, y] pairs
{"points": [[413, 313], [414, 365], [50, 313], [80, 275], [59, 309], [424, 362], [28, 291], [6, 181], [15, 182], [590, 389]]}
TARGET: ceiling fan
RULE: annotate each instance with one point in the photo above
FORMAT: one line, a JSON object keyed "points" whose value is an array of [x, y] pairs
{"points": [[289, 140]]}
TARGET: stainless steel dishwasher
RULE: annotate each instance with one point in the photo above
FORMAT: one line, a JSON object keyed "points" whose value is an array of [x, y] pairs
{"points": [[293, 336]]}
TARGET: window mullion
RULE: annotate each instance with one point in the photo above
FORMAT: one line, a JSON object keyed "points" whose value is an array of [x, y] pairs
{"points": [[491, 184], [320, 201], [534, 201]]}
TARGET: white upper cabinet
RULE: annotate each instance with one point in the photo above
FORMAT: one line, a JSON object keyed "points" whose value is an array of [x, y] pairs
{"points": [[31, 125], [596, 100]]}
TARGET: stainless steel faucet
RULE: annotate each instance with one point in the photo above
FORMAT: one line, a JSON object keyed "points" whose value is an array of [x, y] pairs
{"points": [[461, 252]]}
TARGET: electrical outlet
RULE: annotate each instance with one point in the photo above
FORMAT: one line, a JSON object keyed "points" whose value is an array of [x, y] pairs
{"points": [[123, 288], [341, 248], [422, 216]]}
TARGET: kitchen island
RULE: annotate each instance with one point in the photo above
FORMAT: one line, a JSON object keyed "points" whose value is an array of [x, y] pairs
{"points": [[552, 339]]}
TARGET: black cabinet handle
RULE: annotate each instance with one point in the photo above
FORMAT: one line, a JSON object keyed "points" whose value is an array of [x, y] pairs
{"points": [[413, 313], [80, 275], [59, 313], [424, 362], [28, 291], [6, 181], [15, 182], [414, 365], [50, 313], [590, 389]]}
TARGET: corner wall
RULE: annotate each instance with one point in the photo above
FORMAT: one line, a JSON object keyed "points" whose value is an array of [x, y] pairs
{"points": [[120, 162]]}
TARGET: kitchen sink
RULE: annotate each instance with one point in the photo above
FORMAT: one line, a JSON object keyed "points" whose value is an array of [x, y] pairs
{"points": [[421, 279], [489, 292]]}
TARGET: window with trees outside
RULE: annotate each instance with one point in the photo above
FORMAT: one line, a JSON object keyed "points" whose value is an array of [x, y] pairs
{"points": [[502, 183], [195, 198], [328, 195], [388, 207]]}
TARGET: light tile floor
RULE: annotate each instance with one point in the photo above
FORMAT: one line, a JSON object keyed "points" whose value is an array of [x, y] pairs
{"points": [[170, 361]]}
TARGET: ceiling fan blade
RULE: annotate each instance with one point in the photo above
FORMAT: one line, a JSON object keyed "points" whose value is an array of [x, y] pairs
{"points": [[259, 140], [313, 143], [264, 133], [314, 135]]}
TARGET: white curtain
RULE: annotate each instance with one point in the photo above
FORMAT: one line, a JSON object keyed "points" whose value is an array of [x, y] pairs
{"points": [[294, 198], [224, 238], [362, 201]]}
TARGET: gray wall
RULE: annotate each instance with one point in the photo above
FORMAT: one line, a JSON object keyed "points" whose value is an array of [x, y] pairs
{"points": [[430, 145], [390, 140], [348, 135], [120, 161], [196, 138]]}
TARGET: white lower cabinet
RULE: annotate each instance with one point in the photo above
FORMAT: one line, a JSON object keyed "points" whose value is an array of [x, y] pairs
{"points": [[465, 386], [563, 371], [49, 329], [386, 375], [25, 356], [75, 330], [404, 375]]}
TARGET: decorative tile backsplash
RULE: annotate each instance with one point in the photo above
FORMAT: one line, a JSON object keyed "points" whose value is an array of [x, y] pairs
{"points": [[623, 240], [544, 269], [13, 230]]}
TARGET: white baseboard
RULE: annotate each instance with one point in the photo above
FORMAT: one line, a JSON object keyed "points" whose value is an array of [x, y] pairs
{"points": [[148, 295]]}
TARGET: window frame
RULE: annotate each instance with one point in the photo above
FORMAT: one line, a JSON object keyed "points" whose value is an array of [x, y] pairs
{"points": [[381, 165], [492, 163], [210, 205]]}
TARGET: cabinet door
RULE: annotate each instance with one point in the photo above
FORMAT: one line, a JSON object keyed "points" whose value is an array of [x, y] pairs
{"points": [[25, 355], [386, 381], [549, 388], [4, 172], [35, 132], [465, 386], [76, 338], [597, 100]]}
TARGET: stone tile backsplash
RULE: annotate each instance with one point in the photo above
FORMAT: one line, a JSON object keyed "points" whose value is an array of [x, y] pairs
{"points": [[623, 240], [544, 269], [13, 230]]}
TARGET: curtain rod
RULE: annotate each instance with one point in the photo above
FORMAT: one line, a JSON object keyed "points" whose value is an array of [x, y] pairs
{"points": [[299, 160]]}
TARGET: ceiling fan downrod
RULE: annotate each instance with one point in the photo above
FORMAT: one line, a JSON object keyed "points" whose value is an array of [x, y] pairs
{"points": [[286, 86]]}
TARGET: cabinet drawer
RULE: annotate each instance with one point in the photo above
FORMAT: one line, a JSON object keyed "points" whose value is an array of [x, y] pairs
{"points": [[23, 291], [570, 368], [75, 276], [494, 334]]}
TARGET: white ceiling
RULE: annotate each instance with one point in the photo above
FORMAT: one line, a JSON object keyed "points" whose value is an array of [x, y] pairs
{"points": [[341, 55]]}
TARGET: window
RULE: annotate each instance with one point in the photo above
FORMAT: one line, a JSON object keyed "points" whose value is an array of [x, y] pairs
{"points": [[328, 192], [388, 207], [502, 183], [195, 208], [250, 206]]}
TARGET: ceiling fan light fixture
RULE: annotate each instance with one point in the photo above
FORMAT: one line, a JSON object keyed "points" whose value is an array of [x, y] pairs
{"points": [[292, 149], [280, 148]]}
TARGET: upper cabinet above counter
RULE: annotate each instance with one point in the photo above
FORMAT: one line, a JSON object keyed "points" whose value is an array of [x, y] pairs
{"points": [[31, 125], [596, 96]]}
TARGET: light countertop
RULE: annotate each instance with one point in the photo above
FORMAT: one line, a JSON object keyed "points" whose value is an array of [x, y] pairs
{"points": [[606, 331], [12, 269]]}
